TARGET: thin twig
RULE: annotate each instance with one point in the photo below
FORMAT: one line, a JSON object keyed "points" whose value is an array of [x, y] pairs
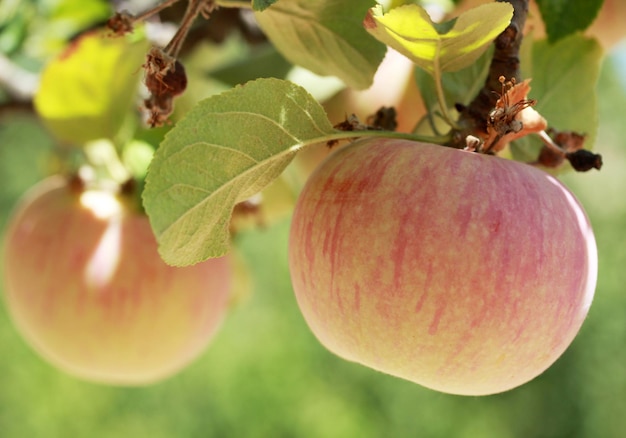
{"points": [[194, 8], [155, 10], [550, 144]]}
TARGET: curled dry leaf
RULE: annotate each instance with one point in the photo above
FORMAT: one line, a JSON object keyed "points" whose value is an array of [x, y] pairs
{"points": [[165, 79], [384, 118], [513, 116], [121, 23], [164, 74]]}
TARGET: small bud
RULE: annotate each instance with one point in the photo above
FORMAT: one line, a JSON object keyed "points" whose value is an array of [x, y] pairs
{"points": [[472, 143]]}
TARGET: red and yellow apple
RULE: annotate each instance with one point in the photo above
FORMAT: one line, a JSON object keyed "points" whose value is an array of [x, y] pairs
{"points": [[465, 273], [87, 289]]}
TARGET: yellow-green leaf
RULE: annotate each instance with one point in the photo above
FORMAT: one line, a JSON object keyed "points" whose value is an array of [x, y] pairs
{"points": [[228, 148], [326, 37], [443, 47], [87, 91]]}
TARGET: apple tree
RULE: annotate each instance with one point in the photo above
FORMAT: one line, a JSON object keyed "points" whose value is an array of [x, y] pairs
{"points": [[418, 146]]}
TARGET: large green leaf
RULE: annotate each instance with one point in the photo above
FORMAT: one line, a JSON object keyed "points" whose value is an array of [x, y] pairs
{"points": [[443, 47], [229, 147], [564, 17], [86, 93], [564, 77], [326, 37]]}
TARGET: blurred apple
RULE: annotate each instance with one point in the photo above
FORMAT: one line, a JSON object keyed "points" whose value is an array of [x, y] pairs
{"points": [[87, 289], [465, 273]]}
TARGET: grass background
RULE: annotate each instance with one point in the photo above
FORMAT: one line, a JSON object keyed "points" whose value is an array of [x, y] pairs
{"points": [[266, 376]]}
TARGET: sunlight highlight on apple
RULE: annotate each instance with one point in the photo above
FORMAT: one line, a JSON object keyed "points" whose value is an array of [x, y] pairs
{"points": [[102, 265]]}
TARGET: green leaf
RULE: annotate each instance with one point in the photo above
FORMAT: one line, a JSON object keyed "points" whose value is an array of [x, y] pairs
{"points": [[86, 93], [564, 77], [228, 148], [443, 47], [26, 150], [326, 37], [13, 33], [564, 17], [260, 5], [264, 63]]}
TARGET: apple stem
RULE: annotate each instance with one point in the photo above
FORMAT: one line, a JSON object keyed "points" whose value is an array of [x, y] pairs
{"points": [[547, 140], [123, 22], [441, 99], [331, 139]]}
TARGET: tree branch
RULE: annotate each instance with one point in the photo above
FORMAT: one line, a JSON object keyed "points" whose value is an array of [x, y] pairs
{"points": [[505, 62]]}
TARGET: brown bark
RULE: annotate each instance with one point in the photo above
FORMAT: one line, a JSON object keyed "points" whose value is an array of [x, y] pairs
{"points": [[505, 62]]}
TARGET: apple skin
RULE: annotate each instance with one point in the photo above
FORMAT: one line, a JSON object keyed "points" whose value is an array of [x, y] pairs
{"points": [[465, 273], [87, 289]]}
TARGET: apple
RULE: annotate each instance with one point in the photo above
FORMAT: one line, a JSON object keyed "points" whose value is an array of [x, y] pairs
{"points": [[465, 273], [87, 289]]}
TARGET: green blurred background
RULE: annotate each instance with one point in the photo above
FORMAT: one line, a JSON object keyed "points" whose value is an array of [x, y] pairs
{"points": [[265, 375]]}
